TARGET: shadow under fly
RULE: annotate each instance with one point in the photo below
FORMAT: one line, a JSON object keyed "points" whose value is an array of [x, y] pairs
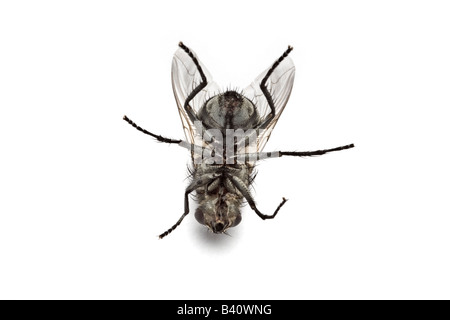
{"points": [[225, 134]]}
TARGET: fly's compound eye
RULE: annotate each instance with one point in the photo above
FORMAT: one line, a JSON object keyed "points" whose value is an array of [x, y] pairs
{"points": [[236, 221], [199, 216]]}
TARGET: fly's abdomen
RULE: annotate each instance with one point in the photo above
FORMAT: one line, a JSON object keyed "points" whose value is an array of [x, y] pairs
{"points": [[229, 110]]}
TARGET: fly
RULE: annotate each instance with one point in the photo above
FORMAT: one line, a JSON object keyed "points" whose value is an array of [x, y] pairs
{"points": [[226, 133]]}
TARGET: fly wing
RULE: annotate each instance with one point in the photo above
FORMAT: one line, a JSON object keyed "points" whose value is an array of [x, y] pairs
{"points": [[279, 85], [185, 78]]}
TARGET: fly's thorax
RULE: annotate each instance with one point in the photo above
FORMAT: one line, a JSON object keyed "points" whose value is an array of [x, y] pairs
{"points": [[229, 110], [219, 211]]}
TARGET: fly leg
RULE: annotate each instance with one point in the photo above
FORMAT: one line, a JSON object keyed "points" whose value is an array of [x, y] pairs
{"points": [[266, 92], [191, 147], [157, 137], [278, 154], [314, 153], [189, 110], [186, 212], [191, 113], [263, 86], [196, 183], [243, 189]]}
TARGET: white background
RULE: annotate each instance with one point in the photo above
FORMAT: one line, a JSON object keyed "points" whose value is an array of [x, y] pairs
{"points": [[84, 195]]}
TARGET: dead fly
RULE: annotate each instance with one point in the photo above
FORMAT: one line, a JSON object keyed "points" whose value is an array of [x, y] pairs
{"points": [[226, 133]]}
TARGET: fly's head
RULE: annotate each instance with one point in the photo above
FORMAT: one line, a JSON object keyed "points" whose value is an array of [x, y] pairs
{"points": [[219, 213], [229, 109]]}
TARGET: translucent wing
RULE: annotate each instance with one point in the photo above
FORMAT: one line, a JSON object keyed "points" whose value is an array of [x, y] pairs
{"points": [[279, 85], [185, 78]]}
